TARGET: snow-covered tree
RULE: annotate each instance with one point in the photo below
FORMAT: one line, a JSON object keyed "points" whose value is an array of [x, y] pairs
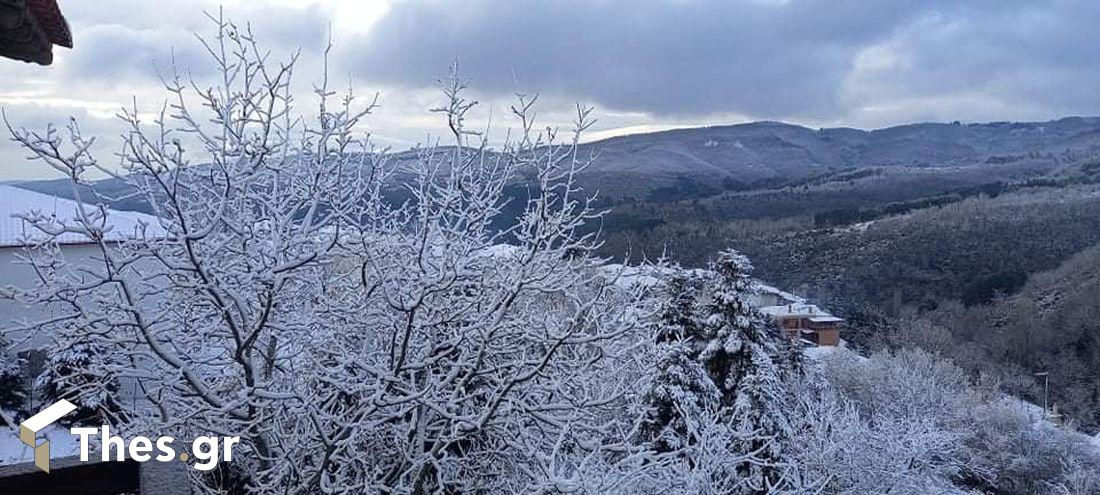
{"points": [[354, 342], [13, 384], [910, 422], [747, 360], [720, 360], [83, 373], [682, 392]]}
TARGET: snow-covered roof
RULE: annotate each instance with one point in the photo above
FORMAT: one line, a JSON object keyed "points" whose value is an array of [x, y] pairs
{"points": [[15, 231], [768, 289], [500, 251], [645, 275], [798, 309], [815, 314]]}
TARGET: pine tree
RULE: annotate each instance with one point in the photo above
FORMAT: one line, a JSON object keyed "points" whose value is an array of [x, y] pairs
{"points": [[682, 390], [744, 358], [77, 373], [720, 356], [13, 386]]}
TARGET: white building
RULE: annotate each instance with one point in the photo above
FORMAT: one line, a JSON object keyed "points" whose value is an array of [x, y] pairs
{"points": [[17, 236], [766, 295]]}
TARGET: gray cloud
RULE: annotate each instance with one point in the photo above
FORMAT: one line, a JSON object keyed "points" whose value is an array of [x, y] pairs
{"points": [[123, 53], [759, 58], [120, 46], [646, 64], [137, 45], [1041, 58]]}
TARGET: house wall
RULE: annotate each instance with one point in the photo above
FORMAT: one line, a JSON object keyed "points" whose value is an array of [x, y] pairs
{"points": [[35, 347], [828, 337], [15, 274], [767, 299], [824, 333]]}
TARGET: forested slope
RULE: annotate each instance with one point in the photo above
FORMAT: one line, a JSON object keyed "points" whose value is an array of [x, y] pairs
{"points": [[1052, 325]]}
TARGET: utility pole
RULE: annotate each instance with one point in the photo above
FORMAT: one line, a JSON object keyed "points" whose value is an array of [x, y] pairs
{"points": [[1046, 388]]}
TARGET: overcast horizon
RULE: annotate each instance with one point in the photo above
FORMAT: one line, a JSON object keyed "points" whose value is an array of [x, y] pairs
{"points": [[644, 68]]}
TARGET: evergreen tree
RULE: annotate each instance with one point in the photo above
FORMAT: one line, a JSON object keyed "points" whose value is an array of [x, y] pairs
{"points": [[13, 386], [746, 360], [82, 374], [682, 390], [719, 356]]}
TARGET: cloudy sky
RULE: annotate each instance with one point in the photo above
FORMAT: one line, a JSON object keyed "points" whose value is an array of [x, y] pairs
{"points": [[644, 65]]}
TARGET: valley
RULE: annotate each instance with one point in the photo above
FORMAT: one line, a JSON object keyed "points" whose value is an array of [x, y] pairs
{"points": [[885, 227]]}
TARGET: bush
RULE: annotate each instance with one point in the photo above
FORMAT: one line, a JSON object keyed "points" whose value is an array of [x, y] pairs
{"points": [[912, 420]]}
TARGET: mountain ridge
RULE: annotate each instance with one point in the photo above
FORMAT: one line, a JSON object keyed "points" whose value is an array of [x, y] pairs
{"points": [[704, 160], [771, 149]]}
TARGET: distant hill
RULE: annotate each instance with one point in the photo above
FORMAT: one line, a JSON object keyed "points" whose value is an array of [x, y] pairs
{"points": [[683, 163], [770, 150]]}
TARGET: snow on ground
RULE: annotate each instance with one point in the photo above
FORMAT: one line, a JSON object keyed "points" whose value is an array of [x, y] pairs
{"points": [[13, 451], [817, 352], [1039, 419], [858, 227], [1032, 411], [15, 231]]}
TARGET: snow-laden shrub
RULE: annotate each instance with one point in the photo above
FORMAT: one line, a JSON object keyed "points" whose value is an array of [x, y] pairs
{"points": [[911, 422], [1010, 452]]}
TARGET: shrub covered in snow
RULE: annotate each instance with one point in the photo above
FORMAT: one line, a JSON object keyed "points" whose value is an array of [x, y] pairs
{"points": [[911, 422]]}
